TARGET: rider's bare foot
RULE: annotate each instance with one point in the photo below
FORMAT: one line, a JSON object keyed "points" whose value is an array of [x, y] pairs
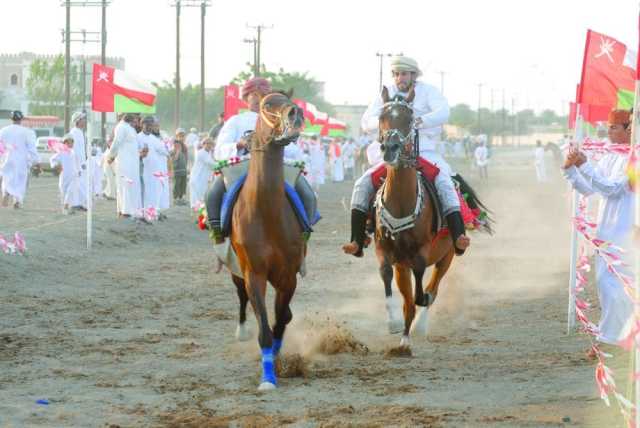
{"points": [[463, 242], [353, 249]]}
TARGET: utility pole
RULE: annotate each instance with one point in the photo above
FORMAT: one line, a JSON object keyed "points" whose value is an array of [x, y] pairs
{"points": [[257, 43], [254, 42], [381, 56], [176, 117], [480, 85], [202, 5], [67, 66], [103, 61], [504, 117], [442, 73]]}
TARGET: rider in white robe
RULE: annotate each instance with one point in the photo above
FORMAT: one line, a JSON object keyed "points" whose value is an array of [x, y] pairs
{"points": [[124, 151], [609, 179], [21, 155], [430, 112]]}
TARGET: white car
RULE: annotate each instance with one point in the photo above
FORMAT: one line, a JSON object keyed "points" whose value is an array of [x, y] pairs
{"points": [[42, 143]]}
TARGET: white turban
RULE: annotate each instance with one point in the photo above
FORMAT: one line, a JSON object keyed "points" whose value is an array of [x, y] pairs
{"points": [[77, 116], [404, 63]]}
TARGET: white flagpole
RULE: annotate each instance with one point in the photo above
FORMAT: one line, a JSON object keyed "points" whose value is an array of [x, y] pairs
{"points": [[636, 252], [571, 313], [89, 183]]}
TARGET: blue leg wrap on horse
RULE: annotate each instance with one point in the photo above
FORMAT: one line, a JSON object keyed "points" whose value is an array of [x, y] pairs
{"points": [[277, 345], [268, 371]]}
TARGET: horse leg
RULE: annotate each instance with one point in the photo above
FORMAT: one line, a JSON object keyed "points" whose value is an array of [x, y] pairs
{"points": [[394, 323], [439, 270], [242, 331], [283, 314], [403, 279], [420, 323], [256, 287]]}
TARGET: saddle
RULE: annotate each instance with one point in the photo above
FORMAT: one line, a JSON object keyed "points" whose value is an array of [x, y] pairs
{"points": [[235, 174], [428, 172], [471, 213]]}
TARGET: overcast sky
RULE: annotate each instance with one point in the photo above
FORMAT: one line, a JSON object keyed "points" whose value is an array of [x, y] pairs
{"points": [[530, 49]]}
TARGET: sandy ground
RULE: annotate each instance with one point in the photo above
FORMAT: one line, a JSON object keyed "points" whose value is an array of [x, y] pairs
{"points": [[140, 331]]}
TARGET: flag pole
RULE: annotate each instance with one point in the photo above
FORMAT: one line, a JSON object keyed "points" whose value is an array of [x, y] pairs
{"points": [[573, 264], [89, 183], [636, 223]]}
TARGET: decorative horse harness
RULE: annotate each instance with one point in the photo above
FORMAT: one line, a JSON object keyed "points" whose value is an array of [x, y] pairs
{"points": [[392, 224]]}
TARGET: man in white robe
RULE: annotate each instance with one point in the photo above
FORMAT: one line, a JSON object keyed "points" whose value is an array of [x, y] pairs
{"points": [[79, 121], [20, 143], [481, 155], [609, 179], [317, 159], [201, 173], [110, 186], [124, 151], [430, 112], [349, 159], [539, 162], [192, 141], [68, 177], [152, 176], [163, 166]]}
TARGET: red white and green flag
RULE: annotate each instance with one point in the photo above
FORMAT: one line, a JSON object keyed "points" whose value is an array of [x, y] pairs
{"points": [[608, 73], [233, 104], [120, 92]]}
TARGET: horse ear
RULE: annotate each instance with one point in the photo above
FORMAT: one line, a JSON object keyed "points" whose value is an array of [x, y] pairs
{"points": [[385, 95], [289, 93], [411, 96]]}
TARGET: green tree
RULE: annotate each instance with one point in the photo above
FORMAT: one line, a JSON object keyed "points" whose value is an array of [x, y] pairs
{"points": [[461, 115], [304, 86], [189, 106], [45, 87]]}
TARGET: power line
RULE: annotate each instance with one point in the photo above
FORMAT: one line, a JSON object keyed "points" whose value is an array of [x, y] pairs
{"points": [[257, 43]]}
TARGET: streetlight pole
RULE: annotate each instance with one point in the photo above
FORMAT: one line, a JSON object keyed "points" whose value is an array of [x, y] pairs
{"points": [[381, 56]]}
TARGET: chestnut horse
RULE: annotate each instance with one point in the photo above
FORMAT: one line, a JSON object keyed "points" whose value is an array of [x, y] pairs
{"points": [[265, 232], [412, 250]]}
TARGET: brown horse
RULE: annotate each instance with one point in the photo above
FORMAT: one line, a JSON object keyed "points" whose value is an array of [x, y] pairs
{"points": [[265, 234], [413, 249]]}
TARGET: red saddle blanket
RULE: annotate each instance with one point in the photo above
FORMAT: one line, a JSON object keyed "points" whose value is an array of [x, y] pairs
{"points": [[430, 171]]}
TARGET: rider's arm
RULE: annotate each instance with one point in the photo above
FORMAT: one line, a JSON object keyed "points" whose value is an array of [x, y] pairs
{"points": [[369, 122], [227, 138], [438, 109]]}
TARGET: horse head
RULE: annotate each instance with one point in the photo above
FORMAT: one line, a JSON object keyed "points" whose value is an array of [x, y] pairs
{"points": [[280, 119], [396, 129]]}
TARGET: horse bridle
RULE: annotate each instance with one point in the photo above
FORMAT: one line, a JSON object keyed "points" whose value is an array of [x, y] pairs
{"points": [[403, 140], [282, 139]]}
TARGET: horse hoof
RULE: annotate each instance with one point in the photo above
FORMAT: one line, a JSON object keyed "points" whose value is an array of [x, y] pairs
{"points": [[242, 332], [266, 386], [395, 326], [420, 322], [405, 341]]}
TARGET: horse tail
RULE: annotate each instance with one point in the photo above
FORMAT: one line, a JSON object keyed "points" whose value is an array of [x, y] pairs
{"points": [[474, 202]]}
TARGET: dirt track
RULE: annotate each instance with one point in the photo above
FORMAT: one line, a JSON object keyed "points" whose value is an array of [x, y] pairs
{"points": [[140, 332]]}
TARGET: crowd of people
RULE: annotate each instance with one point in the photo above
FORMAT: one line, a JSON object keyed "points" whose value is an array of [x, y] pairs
{"points": [[143, 169]]}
